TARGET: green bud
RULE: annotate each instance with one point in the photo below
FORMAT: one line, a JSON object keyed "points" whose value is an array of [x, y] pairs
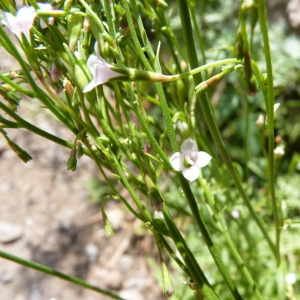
{"points": [[108, 229], [134, 157], [72, 163], [167, 282], [265, 79], [201, 88], [9, 95], [22, 154], [75, 22], [249, 78], [119, 9], [79, 149], [103, 138], [239, 44], [251, 85], [155, 199], [253, 17], [181, 91], [68, 4], [80, 69]]}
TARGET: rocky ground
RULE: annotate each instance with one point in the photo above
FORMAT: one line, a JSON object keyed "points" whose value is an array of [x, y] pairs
{"points": [[46, 216]]}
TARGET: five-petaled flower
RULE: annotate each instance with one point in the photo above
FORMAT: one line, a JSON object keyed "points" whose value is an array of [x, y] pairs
{"points": [[100, 70], [21, 23], [189, 160]]}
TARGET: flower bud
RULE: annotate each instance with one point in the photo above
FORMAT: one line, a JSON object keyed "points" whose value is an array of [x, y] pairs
{"points": [[75, 22], [253, 17], [279, 152], [167, 282], [260, 121], [68, 87], [22, 154], [55, 73], [79, 149], [147, 148], [108, 229], [239, 45], [72, 163], [278, 139], [10, 96]]}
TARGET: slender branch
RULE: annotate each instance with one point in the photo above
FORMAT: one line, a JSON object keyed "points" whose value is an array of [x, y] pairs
{"points": [[270, 113], [52, 272]]}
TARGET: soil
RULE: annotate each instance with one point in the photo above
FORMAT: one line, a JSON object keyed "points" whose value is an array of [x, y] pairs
{"points": [[46, 212]]}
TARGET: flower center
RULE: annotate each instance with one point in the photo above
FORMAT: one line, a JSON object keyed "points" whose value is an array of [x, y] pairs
{"points": [[188, 162]]}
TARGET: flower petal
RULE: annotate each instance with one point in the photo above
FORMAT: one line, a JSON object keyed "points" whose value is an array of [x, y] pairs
{"points": [[104, 74], [191, 173], [203, 159], [25, 18], [90, 86], [176, 161], [11, 22], [92, 63], [188, 146]]}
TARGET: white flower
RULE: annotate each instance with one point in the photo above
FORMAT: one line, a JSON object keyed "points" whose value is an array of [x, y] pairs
{"points": [[189, 160], [100, 70], [278, 151], [291, 278], [22, 22], [158, 215], [235, 214], [45, 7]]}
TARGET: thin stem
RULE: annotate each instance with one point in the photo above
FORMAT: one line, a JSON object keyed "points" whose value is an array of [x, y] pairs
{"points": [[52, 272], [197, 274], [223, 228], [211, 122], [39, 93], [17, 87], [24, 124], [270, 113], [207, 238]]}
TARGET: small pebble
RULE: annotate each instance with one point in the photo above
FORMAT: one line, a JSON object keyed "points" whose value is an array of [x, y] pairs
{"points": [[92, 252], [9, 232]]}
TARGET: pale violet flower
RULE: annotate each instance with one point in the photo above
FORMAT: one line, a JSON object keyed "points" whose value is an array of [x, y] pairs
{"points": [[189, 160], [22, 22], [100, 70], [45, 7]]}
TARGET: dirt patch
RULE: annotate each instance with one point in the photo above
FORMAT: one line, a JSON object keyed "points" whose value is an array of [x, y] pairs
{"points": [[62, 228]]}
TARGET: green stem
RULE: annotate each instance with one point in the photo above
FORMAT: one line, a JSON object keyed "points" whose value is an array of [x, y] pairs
{"points": [[24, 124], [52, 272], [223, 228], [198, 32], [207, 238], [17, 87], [270, 113], [194, 269], [211, 122], [39, 93]]}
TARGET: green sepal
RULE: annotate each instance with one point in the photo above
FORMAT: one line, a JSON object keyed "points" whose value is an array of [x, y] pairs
{"points": [[22, 154]]}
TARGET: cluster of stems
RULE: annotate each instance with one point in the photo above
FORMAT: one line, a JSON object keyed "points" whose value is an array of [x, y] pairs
{"points": [[101, 122]]}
